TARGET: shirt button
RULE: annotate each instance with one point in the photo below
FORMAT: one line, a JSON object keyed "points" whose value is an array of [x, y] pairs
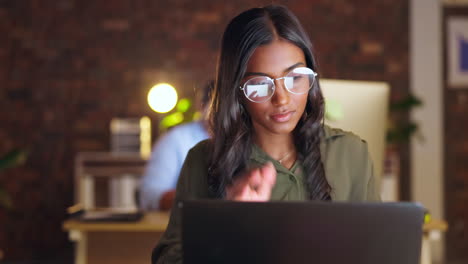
{"points": [[292, 178]]}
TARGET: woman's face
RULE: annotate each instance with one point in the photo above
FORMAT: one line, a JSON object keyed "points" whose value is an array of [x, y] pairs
{"points": [[282, 112]]}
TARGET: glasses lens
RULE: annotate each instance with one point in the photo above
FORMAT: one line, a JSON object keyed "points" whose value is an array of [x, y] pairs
{"points": [[299, 80], [258, 89]]}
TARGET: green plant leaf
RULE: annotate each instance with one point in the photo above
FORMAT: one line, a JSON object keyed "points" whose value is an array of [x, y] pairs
{"points": [[13, 158], [184, 105], [402, 134], [171, 120], [406, 103]]}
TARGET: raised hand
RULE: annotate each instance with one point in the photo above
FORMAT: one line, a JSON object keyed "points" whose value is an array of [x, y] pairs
{"points": [[255, 185]]}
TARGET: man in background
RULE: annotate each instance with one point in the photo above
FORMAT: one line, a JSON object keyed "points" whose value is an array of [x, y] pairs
{"points": [[157, 187]]}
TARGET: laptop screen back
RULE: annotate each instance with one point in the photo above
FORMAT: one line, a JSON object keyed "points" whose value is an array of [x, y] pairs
{"points": [[301, 232]]}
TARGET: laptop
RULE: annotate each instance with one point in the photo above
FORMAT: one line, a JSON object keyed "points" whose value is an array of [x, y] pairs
{"points": [[216, 231]]}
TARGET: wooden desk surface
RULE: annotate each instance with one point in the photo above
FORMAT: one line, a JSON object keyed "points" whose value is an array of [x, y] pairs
{"points": [[157, 222], [151, 222], [435, 224]]}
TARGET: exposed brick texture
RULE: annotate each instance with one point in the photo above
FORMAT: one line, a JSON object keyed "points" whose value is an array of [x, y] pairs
{"points": [[455, 158], [67, 67]]}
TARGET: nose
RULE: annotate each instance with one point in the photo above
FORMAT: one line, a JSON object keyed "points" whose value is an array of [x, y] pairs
{"points": [[281, 95]]}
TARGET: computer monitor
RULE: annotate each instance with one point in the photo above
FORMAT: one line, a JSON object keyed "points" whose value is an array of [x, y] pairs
{"points": [[364, 108]]}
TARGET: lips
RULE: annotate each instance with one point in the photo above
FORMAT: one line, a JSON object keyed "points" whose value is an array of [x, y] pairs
{"points": [[282, 117]]}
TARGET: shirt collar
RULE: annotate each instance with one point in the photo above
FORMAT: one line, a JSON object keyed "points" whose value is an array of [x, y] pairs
{"points": [[330, 133], [260, 156]]}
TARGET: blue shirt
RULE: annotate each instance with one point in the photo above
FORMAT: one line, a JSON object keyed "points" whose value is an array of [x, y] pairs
{"points": [[168, 155]]}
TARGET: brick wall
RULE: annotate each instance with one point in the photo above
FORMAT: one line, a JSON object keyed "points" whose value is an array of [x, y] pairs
{"points": [[456, 156], [67, 67]]}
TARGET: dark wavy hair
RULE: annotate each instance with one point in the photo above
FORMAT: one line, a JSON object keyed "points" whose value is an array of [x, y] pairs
{"points": [[230, 124]]}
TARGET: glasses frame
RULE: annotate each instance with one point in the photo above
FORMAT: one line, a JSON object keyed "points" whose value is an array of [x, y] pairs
{"points": [[274, 85]]}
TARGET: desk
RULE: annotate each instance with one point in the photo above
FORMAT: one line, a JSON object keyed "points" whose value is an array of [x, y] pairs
{"points": [[431, 229], [117, 242]]}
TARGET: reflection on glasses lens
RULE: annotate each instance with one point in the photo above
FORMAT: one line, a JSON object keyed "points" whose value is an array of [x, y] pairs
{"points": [[261, 89], [299, 80]]}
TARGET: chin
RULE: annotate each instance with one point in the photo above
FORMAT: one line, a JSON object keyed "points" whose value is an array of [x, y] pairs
{"points": [[283, 128]]}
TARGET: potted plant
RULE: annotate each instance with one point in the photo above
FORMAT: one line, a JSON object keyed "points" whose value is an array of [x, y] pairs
{"points": [[9, 160], [401, 132]]}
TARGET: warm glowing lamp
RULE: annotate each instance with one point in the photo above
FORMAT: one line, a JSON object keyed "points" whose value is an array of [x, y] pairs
{"points": [[162, 97]]}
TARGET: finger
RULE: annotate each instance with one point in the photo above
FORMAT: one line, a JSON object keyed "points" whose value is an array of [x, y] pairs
{"points": [[268, 172], [241, 187], [268, 181], [235, 192], [243, 194], [264, 191], [240, 183], [255, 180]]}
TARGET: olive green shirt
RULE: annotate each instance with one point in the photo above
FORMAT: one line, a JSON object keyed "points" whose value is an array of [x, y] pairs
{"points": [[348, 169]]}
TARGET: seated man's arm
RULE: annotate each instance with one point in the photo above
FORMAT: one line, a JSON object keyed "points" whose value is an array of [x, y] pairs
{"points": [[162, 172]]}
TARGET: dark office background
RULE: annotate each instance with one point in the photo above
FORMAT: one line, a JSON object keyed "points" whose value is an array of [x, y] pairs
{"points": [[67, 67]]}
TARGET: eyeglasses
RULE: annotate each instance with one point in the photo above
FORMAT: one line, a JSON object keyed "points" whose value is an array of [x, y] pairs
{"points": [[260, 89]]}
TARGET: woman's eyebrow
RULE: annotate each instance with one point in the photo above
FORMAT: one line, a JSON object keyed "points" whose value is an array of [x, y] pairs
{"points": [[247, 74], [290, 68]]}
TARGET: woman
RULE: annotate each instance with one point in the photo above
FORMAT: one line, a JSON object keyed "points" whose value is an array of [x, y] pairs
{"points": [[268, 138]]}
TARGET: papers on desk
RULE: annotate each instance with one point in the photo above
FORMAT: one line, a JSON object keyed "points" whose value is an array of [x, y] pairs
{"points": [[111, 216], [108, 215]]}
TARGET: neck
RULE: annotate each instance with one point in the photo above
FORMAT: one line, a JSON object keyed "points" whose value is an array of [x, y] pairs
{"points": [[277, 146]]}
